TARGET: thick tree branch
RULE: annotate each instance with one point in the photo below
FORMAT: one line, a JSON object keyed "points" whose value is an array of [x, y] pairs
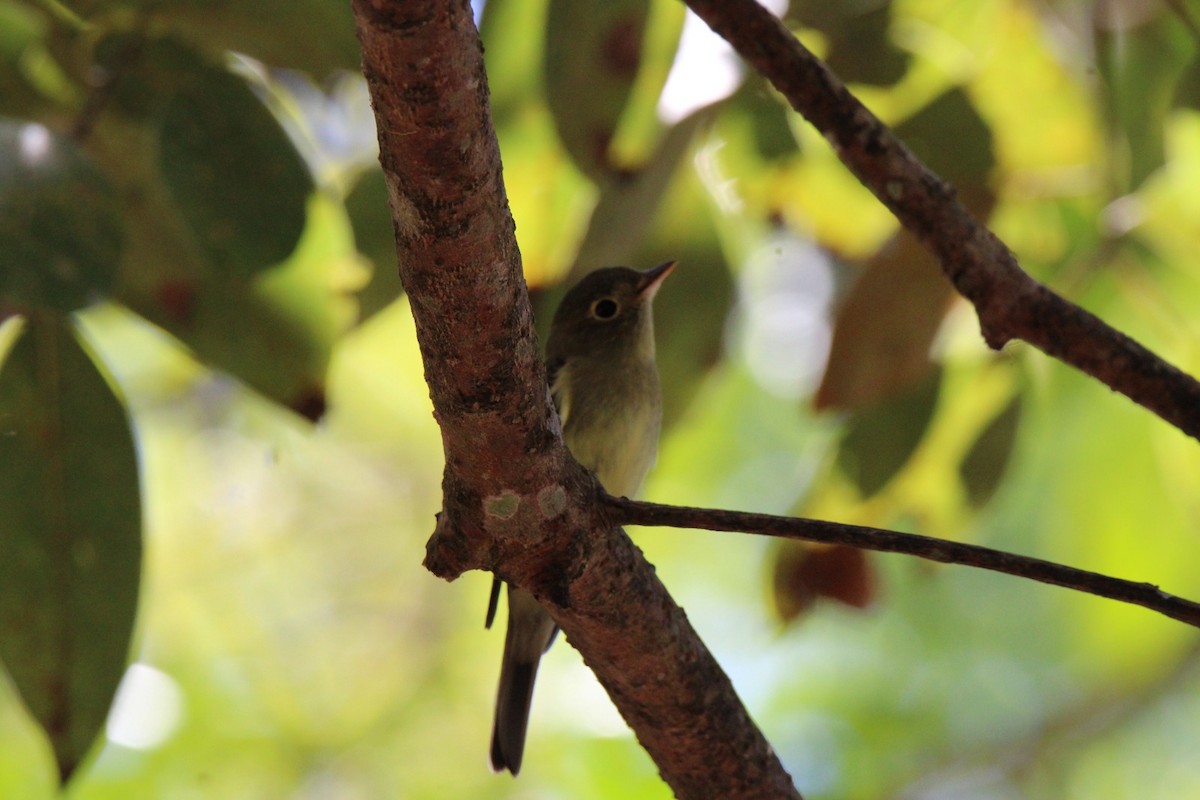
{"points": [[631, 512], [514, 501], [1010, 304]]}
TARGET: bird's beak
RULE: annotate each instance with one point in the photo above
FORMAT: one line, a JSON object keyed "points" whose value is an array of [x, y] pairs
{"points": [[653, 278]]}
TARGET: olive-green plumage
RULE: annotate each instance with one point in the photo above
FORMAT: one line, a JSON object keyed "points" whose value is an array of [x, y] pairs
{"points": [[600, 359]]}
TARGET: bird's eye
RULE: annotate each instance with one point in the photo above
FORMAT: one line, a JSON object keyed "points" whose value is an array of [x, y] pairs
{"points": [[605, 308]]}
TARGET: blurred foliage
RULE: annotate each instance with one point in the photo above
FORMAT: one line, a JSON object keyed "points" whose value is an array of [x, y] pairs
{"points": [[192, 224]]}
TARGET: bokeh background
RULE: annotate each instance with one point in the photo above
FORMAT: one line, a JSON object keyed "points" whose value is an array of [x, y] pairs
{"points": [[233, 276]]}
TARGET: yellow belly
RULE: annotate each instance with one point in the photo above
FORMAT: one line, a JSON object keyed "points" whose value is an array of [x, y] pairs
{"points": [[614, 433]]}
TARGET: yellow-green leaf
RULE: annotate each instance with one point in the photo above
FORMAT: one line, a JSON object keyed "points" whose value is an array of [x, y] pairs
{"points": [[593, 53]]}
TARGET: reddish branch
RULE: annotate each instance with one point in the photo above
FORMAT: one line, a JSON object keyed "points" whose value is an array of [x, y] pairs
{"points": [[1010, 304], [632, 512], [514, 501]]}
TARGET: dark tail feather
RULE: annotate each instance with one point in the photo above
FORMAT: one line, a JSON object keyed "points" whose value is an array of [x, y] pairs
{"points": [[493, 603], [512, 714]]}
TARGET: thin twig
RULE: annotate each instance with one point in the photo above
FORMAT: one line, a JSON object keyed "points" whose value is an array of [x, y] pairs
{"points": [[633, 512], [1010, 304]]}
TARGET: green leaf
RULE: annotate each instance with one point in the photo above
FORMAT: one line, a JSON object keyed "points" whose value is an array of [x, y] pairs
{"points": [[593, 53], [1187, 93], [70, 531], [859, 49], [312, 35], [274, 332], [952, 139], [1142, 67], [984, 464], [880, 439], [770, 131], [145, 72], [231, 172], [759, 146], [60, 229], [20, 27], [229, 250], [641, 125], [234, 174]]}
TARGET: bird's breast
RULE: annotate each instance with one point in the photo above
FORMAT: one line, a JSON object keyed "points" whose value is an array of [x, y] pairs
{"points": [[611, 419]]}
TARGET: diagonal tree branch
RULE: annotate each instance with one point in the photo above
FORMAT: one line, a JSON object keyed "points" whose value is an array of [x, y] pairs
{"points": [[514, 501], [632, 512], [1010, 304]]}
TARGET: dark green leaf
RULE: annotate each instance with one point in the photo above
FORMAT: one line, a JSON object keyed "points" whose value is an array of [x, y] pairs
{"points": [[880, 439], [859, 47], [70, 531], [983, 466], [862, 50], [144, 72], [60, 229], [951, 137], [312, 35], [221, 252], [238, 181], [593, 53], [772, 135]]}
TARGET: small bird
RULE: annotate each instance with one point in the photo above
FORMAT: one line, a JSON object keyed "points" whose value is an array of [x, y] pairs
{"points": [[600, 365]]}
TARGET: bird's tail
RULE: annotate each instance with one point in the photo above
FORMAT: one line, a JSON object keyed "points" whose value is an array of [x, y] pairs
{"points": [[512, 712], [530, 632]]}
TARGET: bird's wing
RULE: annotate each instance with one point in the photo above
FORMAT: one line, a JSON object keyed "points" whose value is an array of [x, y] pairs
{"points": [[556, 376]]}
